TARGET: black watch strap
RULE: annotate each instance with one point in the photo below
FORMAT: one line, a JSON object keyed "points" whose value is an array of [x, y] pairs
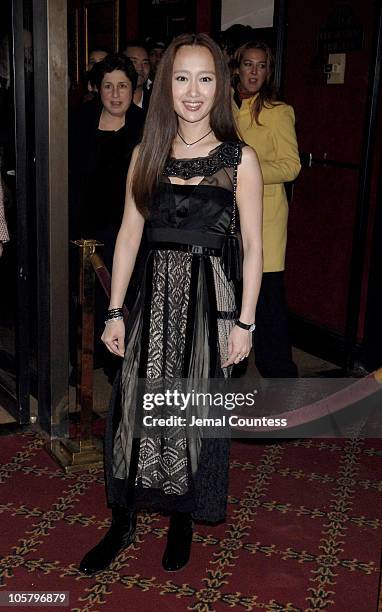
{"points": [[248, 327]]}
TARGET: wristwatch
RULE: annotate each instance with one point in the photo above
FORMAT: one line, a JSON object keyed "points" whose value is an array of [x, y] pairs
{"points": [[251, 327]]}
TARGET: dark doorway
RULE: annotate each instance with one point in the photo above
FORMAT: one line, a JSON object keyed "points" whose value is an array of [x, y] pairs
{"points": [[17, 265], [165, 20]]}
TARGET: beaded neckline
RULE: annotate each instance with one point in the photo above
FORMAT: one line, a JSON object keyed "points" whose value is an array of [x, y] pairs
{"points": [[225, 155], [211, 152]]}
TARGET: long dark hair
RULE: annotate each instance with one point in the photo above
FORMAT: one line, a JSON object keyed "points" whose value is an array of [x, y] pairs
{"points": [[268, 94], [162, 124]]}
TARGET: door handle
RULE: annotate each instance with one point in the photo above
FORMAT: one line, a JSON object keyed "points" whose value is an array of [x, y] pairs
{"points": [[308, 160]]}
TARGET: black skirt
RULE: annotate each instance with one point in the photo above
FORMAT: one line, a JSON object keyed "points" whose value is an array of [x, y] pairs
{"points": [[177, 330]]}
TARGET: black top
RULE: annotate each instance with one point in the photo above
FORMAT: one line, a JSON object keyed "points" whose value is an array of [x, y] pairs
{"points": [[102, 162], [195, 210]]}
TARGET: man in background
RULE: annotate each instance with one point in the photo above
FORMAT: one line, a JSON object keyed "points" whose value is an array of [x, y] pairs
{"points": [[95, 56], [138, 54]]}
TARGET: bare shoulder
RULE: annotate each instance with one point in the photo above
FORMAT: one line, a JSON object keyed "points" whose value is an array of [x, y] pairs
{"points": [[248, 154], [249, 173], [249, 158], [249, 186]]}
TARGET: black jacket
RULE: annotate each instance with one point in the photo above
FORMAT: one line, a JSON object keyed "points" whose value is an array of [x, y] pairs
{"points": [[99, 165]]}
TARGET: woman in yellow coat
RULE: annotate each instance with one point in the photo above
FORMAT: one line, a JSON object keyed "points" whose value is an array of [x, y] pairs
{"points": [[268, 126]]}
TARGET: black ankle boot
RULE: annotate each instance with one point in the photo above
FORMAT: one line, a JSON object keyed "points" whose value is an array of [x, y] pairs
{"points": [[179, 540], [120, 535]]}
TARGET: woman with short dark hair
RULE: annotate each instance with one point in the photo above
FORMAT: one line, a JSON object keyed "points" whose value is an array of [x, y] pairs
{"points": [[107, 130], [106, 133], [115, 62], [188, 182]]}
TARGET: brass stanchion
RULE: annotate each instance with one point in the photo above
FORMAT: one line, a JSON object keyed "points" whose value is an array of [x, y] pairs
{"points": [[85, 450]]}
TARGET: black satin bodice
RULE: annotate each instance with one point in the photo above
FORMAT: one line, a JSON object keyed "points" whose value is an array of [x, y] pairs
{"points": [[205, 207]]}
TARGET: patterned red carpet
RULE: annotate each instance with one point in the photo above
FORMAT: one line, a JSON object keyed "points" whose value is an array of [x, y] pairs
{"points": [[303, 533]]}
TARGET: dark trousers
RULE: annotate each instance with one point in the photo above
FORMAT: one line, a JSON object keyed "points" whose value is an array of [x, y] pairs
{"points": [[273, 351]]}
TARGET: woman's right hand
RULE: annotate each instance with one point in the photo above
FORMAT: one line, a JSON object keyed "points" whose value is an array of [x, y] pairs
{"points": [[114, 337]]}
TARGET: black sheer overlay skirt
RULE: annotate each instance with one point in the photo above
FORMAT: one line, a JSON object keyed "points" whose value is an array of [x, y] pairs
{"points": [[178, 329], [183, 334]]}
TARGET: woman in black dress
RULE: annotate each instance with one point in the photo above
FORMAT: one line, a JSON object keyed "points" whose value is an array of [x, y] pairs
{"points": [[104, 136], [182, 189], [107, 131]]}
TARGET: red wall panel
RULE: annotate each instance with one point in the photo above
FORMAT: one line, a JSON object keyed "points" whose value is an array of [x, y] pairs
{"points": [[330, 121]]}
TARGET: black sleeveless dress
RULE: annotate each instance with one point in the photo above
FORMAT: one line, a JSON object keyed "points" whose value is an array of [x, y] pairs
{"points": [[177, 330]]}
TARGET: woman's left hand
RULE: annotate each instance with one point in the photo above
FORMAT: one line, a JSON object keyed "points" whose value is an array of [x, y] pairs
{"points": [[239, 346]]}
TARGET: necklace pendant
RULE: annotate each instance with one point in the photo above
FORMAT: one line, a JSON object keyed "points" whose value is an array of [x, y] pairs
{"points": [[189, 144]]}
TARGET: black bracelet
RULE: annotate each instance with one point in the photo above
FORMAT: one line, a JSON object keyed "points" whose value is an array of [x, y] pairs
{"points": [[114, 313]]}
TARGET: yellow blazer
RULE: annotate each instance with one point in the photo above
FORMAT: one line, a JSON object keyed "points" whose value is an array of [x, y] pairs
{"points": [[276, 146]]}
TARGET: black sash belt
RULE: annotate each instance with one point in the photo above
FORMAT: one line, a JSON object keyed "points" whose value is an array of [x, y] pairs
{"points": [[198, 243]]}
